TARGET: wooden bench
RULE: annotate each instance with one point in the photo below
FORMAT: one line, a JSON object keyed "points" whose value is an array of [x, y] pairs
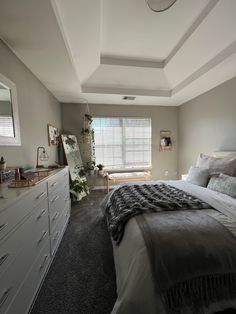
{"points": [[125, 177]]}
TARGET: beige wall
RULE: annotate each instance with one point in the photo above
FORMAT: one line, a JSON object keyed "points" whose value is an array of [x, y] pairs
{"points": [[162, 118], [37, 107], [207, 123]]}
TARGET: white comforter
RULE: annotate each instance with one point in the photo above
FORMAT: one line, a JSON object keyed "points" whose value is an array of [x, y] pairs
{"points": [[135, 287]]}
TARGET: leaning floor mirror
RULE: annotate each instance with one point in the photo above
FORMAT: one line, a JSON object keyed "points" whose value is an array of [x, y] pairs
{"points": [[9, 116], [79, 187]]}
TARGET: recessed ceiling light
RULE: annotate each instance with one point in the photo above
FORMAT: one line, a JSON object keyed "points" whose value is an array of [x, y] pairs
{"points": [[129, 98]]}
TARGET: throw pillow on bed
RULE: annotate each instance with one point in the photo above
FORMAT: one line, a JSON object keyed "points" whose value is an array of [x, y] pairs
{"points": [[215, 165], [198, 176], [223, 184]]}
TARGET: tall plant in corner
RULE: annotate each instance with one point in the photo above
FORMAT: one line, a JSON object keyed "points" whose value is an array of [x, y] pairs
{"points": [[87, 142]]}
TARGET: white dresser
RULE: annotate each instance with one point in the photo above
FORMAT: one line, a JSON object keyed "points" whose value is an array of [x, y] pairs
{"points": [[32, 222]]}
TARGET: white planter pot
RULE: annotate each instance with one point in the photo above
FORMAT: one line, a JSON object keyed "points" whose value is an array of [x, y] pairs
{"points": [[3, 166], [101, 172]]}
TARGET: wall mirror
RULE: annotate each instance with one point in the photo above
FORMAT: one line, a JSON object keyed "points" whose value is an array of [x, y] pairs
{"points": [[73, 156], [9, 116]]}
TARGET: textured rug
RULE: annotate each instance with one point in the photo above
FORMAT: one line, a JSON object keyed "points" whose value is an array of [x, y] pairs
{"points": [[81, 278]]}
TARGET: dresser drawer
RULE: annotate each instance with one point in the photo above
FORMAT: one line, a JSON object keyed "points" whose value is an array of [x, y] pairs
{"points": [[59, 229], [26, 236], [31, 283], [12, 279], [58, 180], [13, 215], [58, 199]]}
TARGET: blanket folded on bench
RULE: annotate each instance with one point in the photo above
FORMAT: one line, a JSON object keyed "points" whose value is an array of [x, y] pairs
{"points": [[132, 200], [193, 258]]}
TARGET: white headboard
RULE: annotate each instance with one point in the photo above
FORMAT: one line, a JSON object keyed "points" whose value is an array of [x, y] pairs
{"points": [[224, 154]]}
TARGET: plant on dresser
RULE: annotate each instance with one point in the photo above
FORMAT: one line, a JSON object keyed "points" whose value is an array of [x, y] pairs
{"points": [[32, 222]]}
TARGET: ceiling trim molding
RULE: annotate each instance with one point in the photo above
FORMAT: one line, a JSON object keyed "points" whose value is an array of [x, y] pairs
{"points": [[125, 91], [191, 29], [160, 64], [64, 36], [131, 62], [221, 56]]}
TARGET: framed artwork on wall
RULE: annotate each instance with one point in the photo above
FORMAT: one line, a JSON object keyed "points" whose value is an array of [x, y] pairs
{"points": [[53, 135], [165, 141]]}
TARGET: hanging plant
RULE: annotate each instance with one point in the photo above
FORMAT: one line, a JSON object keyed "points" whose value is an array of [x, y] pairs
{"points": [[88, 117], [87, 139], [85, 131]]}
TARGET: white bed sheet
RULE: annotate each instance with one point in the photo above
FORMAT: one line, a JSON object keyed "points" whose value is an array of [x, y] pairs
{"points": [[135, 285]]}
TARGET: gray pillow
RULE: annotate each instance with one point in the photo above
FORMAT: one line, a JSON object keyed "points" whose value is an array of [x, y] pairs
{"points": [[218, 165], [198, 176], [223, 184]]}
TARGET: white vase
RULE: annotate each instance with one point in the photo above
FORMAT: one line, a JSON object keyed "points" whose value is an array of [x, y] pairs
{"points": [[3, 166]]}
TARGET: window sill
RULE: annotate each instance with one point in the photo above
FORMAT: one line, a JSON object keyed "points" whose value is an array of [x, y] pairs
{"points": [[127, 170]]}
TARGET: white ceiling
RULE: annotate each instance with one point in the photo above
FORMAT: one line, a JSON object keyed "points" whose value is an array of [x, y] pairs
{"points": [[102, 50]]}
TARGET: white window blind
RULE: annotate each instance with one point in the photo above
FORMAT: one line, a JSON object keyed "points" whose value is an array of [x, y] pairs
{"points": [[6, 126], [122, 143]]}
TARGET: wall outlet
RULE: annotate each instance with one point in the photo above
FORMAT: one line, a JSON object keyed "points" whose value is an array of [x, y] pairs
{"points": [[166, 173]]}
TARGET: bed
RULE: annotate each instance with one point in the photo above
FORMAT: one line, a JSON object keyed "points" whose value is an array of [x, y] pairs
{"points": [[136, 291]]}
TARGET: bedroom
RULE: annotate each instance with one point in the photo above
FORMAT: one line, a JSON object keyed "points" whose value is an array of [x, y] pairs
{"points": [[55, 58]]}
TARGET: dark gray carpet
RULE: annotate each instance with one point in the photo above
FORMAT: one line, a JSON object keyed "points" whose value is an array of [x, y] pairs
{"points": [[81, 278]]}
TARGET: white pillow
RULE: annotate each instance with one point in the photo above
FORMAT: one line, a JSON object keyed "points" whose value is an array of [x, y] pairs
{"points": [[215, 165], [198, 176]]}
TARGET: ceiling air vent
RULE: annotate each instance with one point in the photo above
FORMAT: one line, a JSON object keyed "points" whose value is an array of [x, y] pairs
{"points": [[129, 98]]}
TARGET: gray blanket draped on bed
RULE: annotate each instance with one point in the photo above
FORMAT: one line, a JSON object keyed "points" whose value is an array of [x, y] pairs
{"points": [[193, 259], [193, 256], [132, 200]]}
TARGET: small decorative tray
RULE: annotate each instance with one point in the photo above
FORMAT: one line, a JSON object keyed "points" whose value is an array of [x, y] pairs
{"points": [[30, 179], [21, 183]]}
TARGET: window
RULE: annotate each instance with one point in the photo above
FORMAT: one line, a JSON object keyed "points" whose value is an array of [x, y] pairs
{"points": [[122, 143], [6, 126]]}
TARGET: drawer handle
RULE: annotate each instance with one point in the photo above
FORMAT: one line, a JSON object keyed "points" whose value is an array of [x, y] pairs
{"points": [[40, 195], [41, 214], [53, 184], [2, 227], [3, 258], [4, 296], [43, 263], [42, 237], [55, 216], [56, 236], [54, 199]]}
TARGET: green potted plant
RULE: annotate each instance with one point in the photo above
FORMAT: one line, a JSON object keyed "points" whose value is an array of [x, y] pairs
{"points": [[78, 189], [100, 169], [3, 163]]}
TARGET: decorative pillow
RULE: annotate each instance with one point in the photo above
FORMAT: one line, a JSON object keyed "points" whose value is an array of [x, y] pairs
{"points": [[223, 184], [198, 176], [215, 165]]}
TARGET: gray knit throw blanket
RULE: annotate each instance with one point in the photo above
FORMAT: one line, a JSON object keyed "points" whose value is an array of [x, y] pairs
{"points": [[132, 200]]}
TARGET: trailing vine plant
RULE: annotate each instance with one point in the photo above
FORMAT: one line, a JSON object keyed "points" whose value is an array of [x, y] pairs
{"points": [[88, 141]]}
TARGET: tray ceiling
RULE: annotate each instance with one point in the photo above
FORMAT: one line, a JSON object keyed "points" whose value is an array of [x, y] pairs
{"points": [[102, 50]]}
